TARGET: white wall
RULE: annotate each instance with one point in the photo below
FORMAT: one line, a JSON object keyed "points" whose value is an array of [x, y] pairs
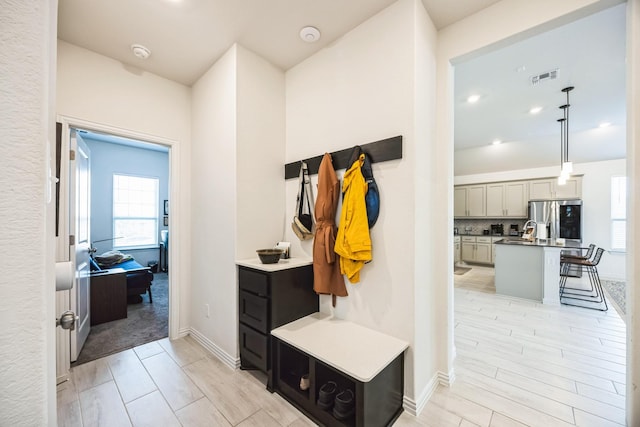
{"points": [[430, 336], [99, 90], [362, 89], [238, 184], [27, 340], [596, 196], [213, 171], [260, 154]]}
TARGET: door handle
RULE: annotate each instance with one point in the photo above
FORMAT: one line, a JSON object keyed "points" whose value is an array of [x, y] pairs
{"points": [[67, 320]]}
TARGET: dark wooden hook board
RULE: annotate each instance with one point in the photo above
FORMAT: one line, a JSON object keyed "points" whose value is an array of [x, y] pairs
{"points": [[379, 151]]}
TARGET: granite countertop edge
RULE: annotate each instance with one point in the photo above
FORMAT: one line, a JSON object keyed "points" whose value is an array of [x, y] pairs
{"points": [[536, 242]]}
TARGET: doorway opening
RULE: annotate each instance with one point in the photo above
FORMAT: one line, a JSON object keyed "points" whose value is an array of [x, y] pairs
{"points": [[129, 238], [516, 348]]}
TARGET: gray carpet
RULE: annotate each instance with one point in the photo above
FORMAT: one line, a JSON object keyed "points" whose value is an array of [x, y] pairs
{"points": [[145, 322], [617, 291]]}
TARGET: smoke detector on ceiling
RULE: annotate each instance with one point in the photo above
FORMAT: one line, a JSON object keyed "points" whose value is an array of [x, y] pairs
{"points": [[543, 77], [140, 51], [310, 34]]}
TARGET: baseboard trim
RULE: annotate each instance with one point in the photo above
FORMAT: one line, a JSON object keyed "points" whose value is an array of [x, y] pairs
{"points": [[447, 379], [226, 358], [612, 278], [415, 407], [183, 332]]}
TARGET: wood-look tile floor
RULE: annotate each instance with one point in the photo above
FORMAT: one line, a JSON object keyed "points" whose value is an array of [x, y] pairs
{"points": [[518, 363]]}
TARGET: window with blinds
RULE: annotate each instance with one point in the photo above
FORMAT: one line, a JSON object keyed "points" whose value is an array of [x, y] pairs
{"points": [[135, 211], [618, 213]]}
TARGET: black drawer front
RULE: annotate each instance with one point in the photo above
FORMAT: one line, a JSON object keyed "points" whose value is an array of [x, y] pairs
{"points": [[253, 348], [254, 311], [253, 281]]}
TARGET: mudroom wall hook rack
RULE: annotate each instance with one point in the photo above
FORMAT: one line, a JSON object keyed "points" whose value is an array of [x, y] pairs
{"points": [[378, 151]]}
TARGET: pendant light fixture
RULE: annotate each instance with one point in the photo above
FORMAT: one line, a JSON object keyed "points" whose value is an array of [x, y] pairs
{"points": [[566, 167], [562, 179]]}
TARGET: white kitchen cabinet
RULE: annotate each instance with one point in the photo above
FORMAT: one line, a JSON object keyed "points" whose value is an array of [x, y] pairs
{"points": [[483, 250], [495, 200], [476, 249], [571, 190], [456, 249], [476, 200], [541, 189], [550, 189], [507, 199], [516, 198], [468, 248], [469, 201], [459, 202]]}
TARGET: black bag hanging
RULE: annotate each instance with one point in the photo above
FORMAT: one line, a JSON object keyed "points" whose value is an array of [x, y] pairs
{"points": [[372, 198], [303, 221]]}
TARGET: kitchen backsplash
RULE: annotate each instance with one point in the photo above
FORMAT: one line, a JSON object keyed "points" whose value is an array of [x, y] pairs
{"points": [[479, 225]]}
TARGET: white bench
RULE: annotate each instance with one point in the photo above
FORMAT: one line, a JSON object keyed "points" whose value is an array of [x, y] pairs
{"points": [[329, 349]]}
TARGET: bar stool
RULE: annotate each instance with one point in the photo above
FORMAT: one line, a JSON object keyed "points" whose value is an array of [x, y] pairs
{"points": [[587, 255], [565, 257], [594, 279]]}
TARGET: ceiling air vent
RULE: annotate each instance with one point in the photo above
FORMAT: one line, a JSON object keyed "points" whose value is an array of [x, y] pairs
{"points": [[540, 78]]}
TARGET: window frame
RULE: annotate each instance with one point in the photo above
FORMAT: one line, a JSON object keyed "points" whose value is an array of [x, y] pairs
{"points": [[153, 241], [621, 217]]}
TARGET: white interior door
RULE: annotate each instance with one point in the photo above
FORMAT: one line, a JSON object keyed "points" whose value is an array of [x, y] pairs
{"points": [[80, 222]]}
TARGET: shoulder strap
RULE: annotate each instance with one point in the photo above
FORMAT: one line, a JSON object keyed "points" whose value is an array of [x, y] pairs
{"points": [[299, 201], [308, 194]]}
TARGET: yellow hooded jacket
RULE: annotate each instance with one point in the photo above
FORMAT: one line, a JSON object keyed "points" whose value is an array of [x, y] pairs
{"points": [[353, 242]]}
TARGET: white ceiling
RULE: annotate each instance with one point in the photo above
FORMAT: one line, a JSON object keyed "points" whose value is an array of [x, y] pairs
{"points": [[589, 55], [187, 36]]}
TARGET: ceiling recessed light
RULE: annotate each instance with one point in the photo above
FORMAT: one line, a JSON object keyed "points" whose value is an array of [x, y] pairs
{"points": [[496, 142], [310, 34], [535, 110], [140, 51], [605, 124], [473, 99]]}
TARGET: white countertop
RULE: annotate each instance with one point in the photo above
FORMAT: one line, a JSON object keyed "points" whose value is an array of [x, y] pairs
{"points": [[283, 264], [353, 349]]}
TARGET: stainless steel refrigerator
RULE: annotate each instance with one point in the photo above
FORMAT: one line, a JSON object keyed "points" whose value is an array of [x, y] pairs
{"points": [[563, 219]]}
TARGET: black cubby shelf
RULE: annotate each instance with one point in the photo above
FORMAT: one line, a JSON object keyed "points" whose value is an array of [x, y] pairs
{"points": [[377, 400]]}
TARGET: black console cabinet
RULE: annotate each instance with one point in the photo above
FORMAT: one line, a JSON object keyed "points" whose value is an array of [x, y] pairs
{"points": [[267, 300]]}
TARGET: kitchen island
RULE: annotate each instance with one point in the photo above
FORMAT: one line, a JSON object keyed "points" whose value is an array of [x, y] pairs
{"points": [[529, 269]]}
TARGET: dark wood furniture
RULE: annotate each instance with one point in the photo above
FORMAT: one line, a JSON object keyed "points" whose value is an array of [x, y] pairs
{"points": [[269, 297], [368, 363], [108, 295], [139, 278]]}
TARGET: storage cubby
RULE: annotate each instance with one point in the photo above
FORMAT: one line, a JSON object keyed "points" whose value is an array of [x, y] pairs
{"points": [[292, 365], [364, 361], [324, 374]]}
